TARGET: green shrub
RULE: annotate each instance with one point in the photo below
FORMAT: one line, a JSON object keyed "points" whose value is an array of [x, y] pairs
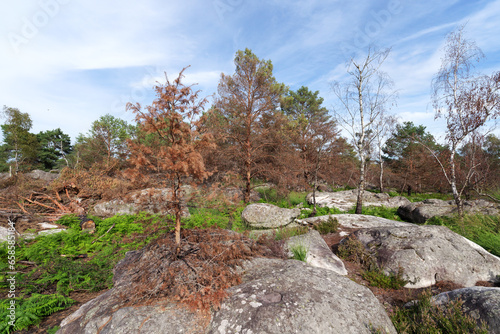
{"points": [[424, 317], [376, 277], [351, 249], [205, 218], [329, 226], [30, 311], [290, 200], [288, 232], [53, 330], [299, 252]]}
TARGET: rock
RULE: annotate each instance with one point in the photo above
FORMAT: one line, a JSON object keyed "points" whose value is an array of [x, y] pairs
{"points": [[236, 195], [324, 188], [420, 212], [109, 312], [482, 303], [4, 233], [290, 297], [348, 220], [151, 200], [51, 231], [42, 175], [318, 253], [104, 315], [429, 254], [47, 225], [298, 298], [346, 200], [268, 216]]}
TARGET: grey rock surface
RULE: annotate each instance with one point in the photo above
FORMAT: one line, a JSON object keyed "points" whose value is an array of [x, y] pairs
{"points": [[420, 212], [482, 303], [290, 297], [236, 195], [429, 254], [276, 296], [42, 175], [318, 253], [104, 315], [151, 200], [346, 200], [349, 220], [4, 233], [268, 216]]}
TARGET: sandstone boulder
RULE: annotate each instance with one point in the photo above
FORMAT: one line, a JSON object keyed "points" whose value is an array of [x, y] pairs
{"points": [[318, 253], [346, 200], [151, 200], [290, 297], [420, 212], [429, 254], [236, 195], [348, 220], [482, 303], [106, 315], [42, 175], [268, 216]]}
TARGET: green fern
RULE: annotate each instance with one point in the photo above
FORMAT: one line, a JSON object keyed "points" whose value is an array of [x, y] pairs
{"points": [[30, 311]]}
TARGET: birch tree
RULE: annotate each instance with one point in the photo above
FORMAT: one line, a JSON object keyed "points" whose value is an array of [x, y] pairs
{"points": [[362, 100], [466, 101]]}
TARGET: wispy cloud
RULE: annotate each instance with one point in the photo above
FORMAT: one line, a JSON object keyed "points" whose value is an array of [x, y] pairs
{"points": [[91, 57]]}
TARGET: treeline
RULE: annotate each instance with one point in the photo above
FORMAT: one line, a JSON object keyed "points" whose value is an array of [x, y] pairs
{"points": [[256, 129]]}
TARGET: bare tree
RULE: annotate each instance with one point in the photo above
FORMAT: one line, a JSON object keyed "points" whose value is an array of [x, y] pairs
{"points": [[466, 101], [384, 127], [363, 100]]}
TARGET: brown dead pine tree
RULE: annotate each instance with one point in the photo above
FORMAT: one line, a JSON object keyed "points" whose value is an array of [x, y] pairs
{"points": [[171, 121], [245, 102]]}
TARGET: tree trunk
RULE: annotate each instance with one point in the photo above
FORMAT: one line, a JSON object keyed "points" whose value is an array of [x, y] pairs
{"points": [[453, 182], [361, 187], [381, 176], [177, 210], [248, 165]]}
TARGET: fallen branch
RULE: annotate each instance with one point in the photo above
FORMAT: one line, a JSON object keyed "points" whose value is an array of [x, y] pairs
{"points": [[58, 197], [22, 208], [104, 233], [67, 194], [38, 203], [27, 262]]}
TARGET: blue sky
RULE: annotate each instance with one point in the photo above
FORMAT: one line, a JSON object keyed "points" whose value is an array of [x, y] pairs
{"points": [[68, 62]]}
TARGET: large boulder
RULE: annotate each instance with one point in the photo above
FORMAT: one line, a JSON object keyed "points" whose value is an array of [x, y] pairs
{"points": [[151, 200], [290, 297], [318, 253], [38, 174], [107, 315], [236, 195], [346, 200], [420, 212], [481, 303], [429, 254], [296, 297], [268, 216], [349, 220]]}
